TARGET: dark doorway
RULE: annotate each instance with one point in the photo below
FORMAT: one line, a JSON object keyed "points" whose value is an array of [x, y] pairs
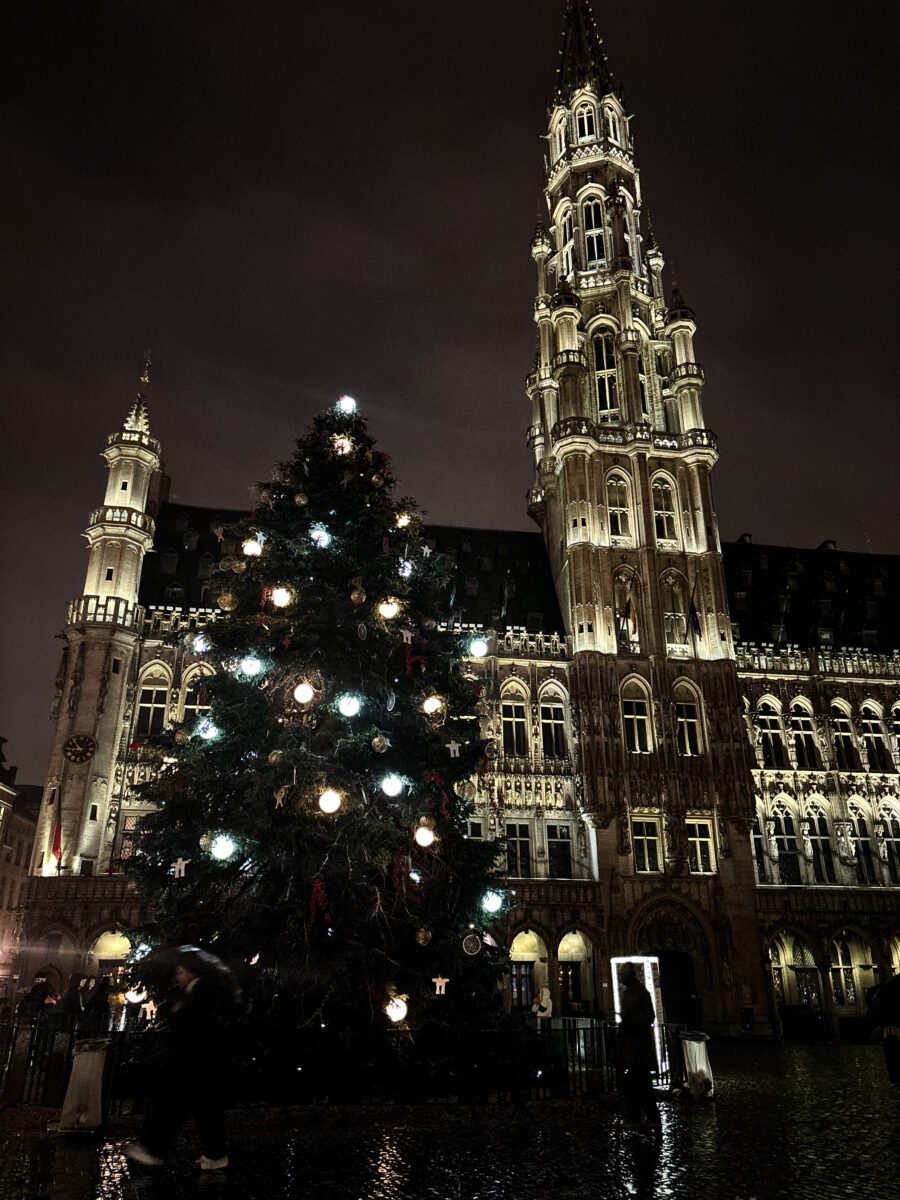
{"points": [[678, 985]]}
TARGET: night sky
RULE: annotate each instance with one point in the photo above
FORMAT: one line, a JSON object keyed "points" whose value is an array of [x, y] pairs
{"points": [[286, 201]]}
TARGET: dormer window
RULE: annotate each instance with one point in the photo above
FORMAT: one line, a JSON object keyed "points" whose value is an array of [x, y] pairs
{"points": [[585, 123]]}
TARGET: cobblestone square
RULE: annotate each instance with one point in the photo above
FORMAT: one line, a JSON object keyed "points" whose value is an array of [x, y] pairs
{"points": [[817, 1121]]}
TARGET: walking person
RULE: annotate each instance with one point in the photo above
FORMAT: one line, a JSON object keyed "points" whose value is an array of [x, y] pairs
{"points": [[70, 1005], [191, 1076], [637, 1051], [884, 1011], [95, 1020]]}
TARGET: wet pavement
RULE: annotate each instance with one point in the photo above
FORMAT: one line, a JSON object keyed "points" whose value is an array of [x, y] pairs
{"points": [[818, 1121]]}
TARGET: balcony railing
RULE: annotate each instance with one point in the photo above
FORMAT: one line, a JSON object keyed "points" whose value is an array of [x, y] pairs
{"points": [[516, 643], [849, 662], [688, 370], [100, 888], [570, 892], [115, 515], [104, 610]]}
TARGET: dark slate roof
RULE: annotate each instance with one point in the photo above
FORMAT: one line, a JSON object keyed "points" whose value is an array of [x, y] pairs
{"points": [[582, 59], [780, 594], [502, 578], [822, 597]]}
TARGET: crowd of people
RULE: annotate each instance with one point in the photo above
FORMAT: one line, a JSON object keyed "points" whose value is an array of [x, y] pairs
{"points": [[85, 1005]]}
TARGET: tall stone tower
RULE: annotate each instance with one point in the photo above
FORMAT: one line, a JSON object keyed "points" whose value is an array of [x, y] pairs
{"points": [[623, 461], [94, 684]]}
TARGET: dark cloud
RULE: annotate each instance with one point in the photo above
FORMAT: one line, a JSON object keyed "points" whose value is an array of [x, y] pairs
{"points": [[288, 200]]}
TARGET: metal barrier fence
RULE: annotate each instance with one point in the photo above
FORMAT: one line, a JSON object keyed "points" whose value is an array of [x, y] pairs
{"points": [[570, 1057]]}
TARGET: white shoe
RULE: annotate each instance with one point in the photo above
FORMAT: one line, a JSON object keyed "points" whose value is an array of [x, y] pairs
{"points": [[140, 1154], [212, 1164]]}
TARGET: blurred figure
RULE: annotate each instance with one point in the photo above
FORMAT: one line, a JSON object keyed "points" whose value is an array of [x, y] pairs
{"points": [[637, 1050], [37, 998], [71, 1003], [884, 1011], [96, 1012], [192, 1075]]}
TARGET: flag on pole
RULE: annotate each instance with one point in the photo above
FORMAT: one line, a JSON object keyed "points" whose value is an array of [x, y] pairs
{"points": [[56, 849], [630, 616], [693, 615]]}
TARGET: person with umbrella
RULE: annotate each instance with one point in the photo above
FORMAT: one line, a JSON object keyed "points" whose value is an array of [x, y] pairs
{"points": [[190, 1079], [884, 1011]]}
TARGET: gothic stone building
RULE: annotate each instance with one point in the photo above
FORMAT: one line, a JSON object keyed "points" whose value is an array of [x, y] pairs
{"points": [[697, 749]]}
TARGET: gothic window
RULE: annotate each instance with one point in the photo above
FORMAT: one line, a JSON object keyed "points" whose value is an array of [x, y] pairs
{"points": [[196, 700], [687, 722], [777, 972], [518, 850], [595, 247], [515, 726], [895, 723], [553, 728], [806, 747], [772, 745], [664, 512], [636, 718], [806, 975], [567, 244], [559, 851], [559, 139], [843, 983], [845, 751], [643, 385], [627, 626], [700, 847], [674, 615], [786, 841], [865, 860], [645, 844], [611, 121], [153, 700], [605, 374], [874, 740], [618, 508], [820, 839], [585, 122], [891, 837], [759, 851]]}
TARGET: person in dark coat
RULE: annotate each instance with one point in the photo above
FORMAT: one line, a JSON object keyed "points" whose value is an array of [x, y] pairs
{"points": [[37, 999], [191, 1078], [884, 1011], [95, 1020], [71, 1003], [637, 1049]]}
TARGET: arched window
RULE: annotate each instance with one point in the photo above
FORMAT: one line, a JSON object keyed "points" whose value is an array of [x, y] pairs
{"points": [[820, 841], [845, 751], [771, 736], [594, 241], [862, 837], [895, 724], [514, 722], [636, 718], [567, 244], [806, 747], [585, 122], [559, 139], [611, 121], [688, 721], [627, 624], [605, 374], [785, 834], [675, 620], [759, 851], [618, 507], [874, 740], [664, 509], [553, 726], [152, 706], [843, 982], [196, 699], [643, 388], [890, 843]]}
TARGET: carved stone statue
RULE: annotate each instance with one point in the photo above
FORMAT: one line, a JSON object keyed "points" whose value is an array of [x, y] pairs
{"points": [[806, 841], [845, 844], [771, 841]]}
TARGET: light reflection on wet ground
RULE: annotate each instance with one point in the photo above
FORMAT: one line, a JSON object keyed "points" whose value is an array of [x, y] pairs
{"points": [[786, 1122]]}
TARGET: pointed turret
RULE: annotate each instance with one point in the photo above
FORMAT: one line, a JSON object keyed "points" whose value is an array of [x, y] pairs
{"points": [[138, 419], [582, 61]]}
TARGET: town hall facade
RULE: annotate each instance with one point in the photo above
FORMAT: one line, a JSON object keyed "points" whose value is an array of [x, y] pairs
{"points": [[697, 746]]}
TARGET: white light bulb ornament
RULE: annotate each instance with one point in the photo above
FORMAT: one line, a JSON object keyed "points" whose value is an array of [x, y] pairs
{"points": [[432, 705], [304, 693], [349, 705], [346, 405], [392, 785], [251, 666], [208, 730], [319, 536], [492, 902], [252, 546], [424, 836], [396, 1009], [282, 596], [330, 801], [389, 608], [222, 847], [478, 647]]}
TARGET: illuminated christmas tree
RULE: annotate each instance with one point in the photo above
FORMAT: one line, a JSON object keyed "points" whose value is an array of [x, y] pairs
{"points": [[314, 821]]}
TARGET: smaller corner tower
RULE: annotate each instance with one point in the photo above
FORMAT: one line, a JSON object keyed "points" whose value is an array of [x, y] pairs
{"points": [[94, 688]]}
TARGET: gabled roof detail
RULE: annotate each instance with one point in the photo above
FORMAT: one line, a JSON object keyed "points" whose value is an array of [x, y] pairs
{"points": [[582, 61]]}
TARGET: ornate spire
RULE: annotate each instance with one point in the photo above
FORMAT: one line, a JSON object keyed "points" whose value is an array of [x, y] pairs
{"points": [[138, 419], [582, 60]]}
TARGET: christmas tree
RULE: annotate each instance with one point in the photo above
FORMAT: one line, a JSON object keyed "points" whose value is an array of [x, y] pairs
{"points": [[313, 821]]}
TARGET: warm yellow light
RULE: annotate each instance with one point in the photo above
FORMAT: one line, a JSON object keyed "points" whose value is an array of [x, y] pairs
{"points": [[342, 444], [424, 836], [389, 608], [135, 996], [50, 867], [304, 693], [252, 547], [396, 1009], [403, 519], [330, 801], [432, 704], [282, 597]]}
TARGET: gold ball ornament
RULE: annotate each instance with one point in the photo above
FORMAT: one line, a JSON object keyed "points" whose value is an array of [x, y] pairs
{"points": [[181, 736], [378, 481], [206, 841], [358, 596], [301, 499], [227, 601], [423, 936], [380, 743], [239, 566], [275, 757], [265, 494]]}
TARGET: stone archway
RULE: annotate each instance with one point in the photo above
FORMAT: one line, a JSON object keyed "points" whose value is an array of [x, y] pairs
{"points": [[672, 934]]}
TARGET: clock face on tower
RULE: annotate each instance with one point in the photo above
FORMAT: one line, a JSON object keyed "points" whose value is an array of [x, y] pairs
{"points": [[79, 748]]}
